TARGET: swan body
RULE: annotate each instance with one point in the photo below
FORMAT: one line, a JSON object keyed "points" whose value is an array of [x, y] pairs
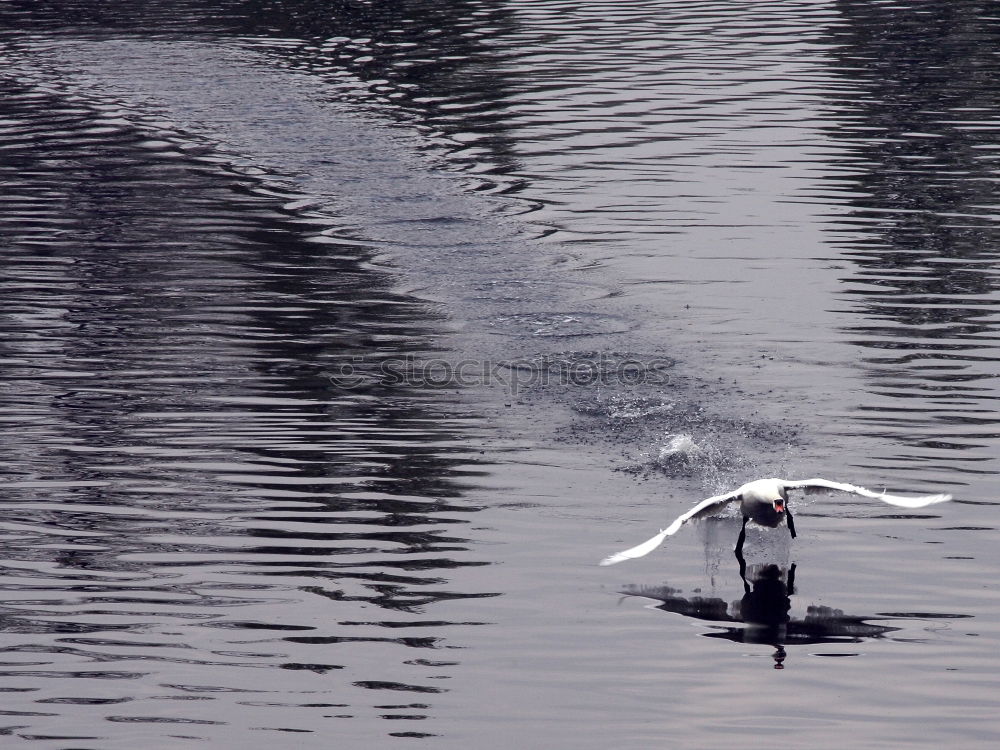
{"points": [[765, 502]]}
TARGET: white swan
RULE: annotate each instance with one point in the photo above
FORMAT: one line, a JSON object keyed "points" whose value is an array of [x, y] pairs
{"points": [[765, 502]]}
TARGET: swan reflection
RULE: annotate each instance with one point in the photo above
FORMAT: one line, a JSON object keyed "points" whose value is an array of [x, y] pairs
{"points": [[763, 616]]}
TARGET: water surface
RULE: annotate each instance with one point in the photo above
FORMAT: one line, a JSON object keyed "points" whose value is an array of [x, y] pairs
{"points": [[223, 226]]}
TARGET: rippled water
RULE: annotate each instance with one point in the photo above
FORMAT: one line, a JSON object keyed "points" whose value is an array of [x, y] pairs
{"points": [[341, 339]]}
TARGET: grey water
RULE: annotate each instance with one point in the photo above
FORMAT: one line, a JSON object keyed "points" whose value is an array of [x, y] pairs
{"points": [[340, 339]]}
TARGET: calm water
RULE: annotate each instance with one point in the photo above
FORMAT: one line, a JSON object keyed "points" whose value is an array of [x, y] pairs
{"points": [[314, 323]]}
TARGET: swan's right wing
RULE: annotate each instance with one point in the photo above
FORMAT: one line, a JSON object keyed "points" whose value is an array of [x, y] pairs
{"points": [[704, 508], [898, 500]]}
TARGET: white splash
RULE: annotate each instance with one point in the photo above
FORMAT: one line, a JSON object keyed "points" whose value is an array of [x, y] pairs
{"points": [[679, 445]]}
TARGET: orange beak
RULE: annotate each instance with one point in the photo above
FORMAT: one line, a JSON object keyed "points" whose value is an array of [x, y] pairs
{"points": [[779, 505]]}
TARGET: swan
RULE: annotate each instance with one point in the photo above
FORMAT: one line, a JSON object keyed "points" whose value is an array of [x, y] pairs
{"points": [[765, 502]]}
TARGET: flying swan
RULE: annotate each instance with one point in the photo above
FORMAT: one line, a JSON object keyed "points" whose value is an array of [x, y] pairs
{"points": [[765, 502]]}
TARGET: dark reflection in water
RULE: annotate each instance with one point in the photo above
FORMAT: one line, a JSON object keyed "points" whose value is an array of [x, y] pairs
{"points": [[764, 614], [184, 482], [114, 17], [918, 126]]}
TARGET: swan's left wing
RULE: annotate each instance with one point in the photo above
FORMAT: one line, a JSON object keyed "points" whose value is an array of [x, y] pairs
{"points": [[639, 550], [903, 502], [704, 508]]}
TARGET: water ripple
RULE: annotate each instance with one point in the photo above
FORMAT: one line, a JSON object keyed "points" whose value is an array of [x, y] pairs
{"points": [[181, 472]]}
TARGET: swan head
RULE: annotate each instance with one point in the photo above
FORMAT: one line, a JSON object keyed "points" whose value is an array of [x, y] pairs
{"points": [[780, 502], [767, 492]]}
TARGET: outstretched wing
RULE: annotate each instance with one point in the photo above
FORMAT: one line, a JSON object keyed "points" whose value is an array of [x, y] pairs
{"points": [[704, 508], [902, 502]]}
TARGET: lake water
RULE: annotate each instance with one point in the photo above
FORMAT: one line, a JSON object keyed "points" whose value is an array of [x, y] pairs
{"points": [[340, 340]]}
